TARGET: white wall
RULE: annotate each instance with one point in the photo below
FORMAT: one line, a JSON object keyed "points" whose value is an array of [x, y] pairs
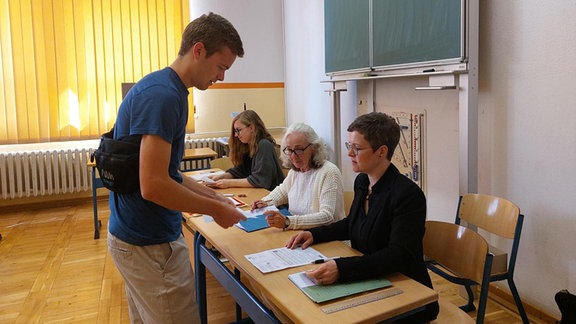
{"points": [[259, 23], [527, 145]]}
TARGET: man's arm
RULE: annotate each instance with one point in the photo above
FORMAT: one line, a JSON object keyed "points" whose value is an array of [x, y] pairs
{"points": [[157, 186]]}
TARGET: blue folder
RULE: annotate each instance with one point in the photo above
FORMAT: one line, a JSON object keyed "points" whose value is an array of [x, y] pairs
{"points": [[252, 224]]}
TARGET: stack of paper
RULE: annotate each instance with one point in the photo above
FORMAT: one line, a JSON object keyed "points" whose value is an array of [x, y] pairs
{"points": [[322, 293]]}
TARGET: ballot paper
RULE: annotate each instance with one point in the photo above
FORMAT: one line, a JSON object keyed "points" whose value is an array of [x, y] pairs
{"points": [[204, 176], [283, 258]]}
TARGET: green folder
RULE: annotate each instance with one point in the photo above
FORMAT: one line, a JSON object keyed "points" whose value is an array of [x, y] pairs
{"points": [[322, 293]]}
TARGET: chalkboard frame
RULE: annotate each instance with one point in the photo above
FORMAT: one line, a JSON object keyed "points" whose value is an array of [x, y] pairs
{"points": [[343, 24]]}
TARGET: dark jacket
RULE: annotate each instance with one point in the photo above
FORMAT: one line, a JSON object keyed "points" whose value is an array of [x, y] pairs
{"points": [[390, 235]]}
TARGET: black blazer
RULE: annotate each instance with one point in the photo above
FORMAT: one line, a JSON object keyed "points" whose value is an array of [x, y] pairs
{"points": [[390, 235]]}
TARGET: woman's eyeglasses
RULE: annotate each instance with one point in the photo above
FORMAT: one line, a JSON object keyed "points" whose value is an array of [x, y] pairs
{"points": [[354, 148], [238, 130], [298, 151]]}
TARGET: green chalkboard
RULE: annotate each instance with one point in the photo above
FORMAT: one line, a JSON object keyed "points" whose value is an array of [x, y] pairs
{"points": [[347, 32], [378, 34]]}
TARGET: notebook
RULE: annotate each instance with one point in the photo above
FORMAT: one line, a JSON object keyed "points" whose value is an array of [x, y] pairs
{"points": [[322, 293]]}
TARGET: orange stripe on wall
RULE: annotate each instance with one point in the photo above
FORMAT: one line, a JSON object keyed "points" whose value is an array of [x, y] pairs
{"points": [[247, 85]]}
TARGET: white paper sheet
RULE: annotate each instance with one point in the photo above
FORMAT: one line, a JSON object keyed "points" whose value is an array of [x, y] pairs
{"points": [[282, 258], [204, 176]]}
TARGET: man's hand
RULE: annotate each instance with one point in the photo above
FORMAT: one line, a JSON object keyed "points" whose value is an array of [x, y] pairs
{"points": [[228, 216]]}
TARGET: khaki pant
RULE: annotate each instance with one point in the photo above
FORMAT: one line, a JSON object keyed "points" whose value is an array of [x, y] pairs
{"points": [[159, 281]]}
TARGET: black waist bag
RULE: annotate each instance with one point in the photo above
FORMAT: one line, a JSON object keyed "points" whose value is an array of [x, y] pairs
{"points": [[118, 162]]}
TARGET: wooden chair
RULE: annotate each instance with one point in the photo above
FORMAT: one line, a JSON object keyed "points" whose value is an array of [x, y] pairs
{"points": [[451, 314], [459, 255], [499, 217]]}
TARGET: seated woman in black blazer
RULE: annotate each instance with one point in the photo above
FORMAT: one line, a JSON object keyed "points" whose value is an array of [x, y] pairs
{"points": [[386, 220]]}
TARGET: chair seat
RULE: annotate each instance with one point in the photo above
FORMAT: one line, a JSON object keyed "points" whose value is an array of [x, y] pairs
{"points": [[450, 314]]}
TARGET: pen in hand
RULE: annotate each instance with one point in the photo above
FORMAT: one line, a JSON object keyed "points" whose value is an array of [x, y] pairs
{"points": [[324, 260], [260, 204]]}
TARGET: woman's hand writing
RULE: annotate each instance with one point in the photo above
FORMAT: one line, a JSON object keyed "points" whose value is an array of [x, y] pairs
{"points": [[259, 204]]}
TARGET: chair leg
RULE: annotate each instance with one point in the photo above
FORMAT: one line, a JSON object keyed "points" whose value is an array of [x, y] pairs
{"points": [[482, 301], [517, 300], [470, 306]]}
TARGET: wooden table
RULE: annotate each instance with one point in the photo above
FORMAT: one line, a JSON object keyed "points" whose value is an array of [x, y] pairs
{"points": [[273, 297]]}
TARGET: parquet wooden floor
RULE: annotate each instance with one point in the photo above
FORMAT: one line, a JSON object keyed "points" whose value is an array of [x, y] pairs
{"points": [[53, 271]]}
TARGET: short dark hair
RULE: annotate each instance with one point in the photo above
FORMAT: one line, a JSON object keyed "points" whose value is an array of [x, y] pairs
{"points": [[378, 129], [215, 32]]}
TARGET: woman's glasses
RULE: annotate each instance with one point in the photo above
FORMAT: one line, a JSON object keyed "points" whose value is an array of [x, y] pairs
{"points": [[238, 130], [298, 151], [354, 148]]}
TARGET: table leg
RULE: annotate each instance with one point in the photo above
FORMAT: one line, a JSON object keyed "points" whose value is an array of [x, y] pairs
{"points": [[204, 259], [200, 277], [95, 203]]}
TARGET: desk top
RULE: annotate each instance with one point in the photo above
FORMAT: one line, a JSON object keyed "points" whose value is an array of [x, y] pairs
{"points": [[280, 294], [199, 153]]}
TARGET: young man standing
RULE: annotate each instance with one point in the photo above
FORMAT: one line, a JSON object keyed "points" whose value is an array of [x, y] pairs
{"points": [[145, 228]]}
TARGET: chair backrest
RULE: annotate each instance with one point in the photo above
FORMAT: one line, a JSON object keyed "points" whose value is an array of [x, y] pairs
{"points": [[493, 214], [457, 248], [223, 163]]}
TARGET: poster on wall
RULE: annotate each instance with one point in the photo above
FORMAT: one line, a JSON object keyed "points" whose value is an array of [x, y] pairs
{"points": [[409, 156]]}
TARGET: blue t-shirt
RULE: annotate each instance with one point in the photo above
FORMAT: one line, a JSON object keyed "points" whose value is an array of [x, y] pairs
{"points": [[156, 105]]}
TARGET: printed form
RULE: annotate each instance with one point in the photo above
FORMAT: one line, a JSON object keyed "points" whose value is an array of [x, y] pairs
{"points": [[282, 258]]}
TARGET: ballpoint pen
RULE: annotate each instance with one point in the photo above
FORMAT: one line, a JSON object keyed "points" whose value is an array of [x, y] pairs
{"points": [[324, 260]]}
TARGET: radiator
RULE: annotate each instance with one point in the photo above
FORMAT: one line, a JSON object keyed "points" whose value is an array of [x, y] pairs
{"points": [[30, 173], [37, 173], [196, 143]]}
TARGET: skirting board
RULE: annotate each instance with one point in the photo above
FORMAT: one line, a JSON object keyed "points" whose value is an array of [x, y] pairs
{"points": [[505, 298]]}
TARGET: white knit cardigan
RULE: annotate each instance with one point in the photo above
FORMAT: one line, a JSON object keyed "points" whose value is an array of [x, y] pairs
{"points": [[326, 202]]}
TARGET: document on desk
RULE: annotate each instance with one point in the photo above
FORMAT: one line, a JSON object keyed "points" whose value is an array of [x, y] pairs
{"points": [[322, 293], [204, 176], [283, 258]]}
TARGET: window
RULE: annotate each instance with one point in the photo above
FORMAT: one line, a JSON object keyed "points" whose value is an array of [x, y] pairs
{"points": [[63, 62]]}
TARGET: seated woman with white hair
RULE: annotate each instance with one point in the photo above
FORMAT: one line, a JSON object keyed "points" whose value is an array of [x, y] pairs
{"points": [[313, 188]]}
